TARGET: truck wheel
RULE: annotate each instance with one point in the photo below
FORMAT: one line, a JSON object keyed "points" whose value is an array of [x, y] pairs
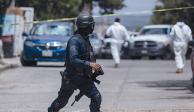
{"points": [[136, 57], [168, 55], [152, 57]]}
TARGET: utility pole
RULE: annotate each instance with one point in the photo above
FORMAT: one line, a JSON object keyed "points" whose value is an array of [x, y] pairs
{"points": [[86, 7], [12, 3]]}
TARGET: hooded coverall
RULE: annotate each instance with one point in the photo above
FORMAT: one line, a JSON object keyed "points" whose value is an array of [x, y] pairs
{"points": [[181, 35], [118, 34]]}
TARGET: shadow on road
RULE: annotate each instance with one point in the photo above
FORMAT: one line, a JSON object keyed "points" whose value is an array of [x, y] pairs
{"points": [[172, 85], [48, 66], [51, 66]]}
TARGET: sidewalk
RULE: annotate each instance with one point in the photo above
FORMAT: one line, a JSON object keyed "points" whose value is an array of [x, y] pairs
{"points": [[9, 63]]}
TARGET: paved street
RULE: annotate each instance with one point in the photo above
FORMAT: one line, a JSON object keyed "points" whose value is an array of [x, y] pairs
{"points": [[137, 86]]}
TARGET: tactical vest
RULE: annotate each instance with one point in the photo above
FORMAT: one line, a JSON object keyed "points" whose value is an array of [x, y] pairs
{"points": [[87, 54]]}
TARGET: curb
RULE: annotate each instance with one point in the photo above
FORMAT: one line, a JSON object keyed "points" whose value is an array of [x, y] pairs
{"points": [[7, 67]]}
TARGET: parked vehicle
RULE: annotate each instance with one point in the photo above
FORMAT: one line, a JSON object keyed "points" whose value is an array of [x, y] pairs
{"points": [[153, 41], [106, 51], [46, 42], [106, 48], [96, 44]]}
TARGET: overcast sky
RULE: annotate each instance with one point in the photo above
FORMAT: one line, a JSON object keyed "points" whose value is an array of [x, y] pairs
{"points": [[133, 6], [133, 20], [137, 5]]}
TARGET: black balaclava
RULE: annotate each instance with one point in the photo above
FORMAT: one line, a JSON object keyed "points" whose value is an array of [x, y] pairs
{"points": [[86, 31]]}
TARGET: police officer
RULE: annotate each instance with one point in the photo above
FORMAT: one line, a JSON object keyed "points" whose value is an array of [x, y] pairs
{"points": [[79, 65]]}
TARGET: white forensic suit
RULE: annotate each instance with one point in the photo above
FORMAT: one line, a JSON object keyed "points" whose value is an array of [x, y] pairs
{"points": [[181, 35], [118, 34]]}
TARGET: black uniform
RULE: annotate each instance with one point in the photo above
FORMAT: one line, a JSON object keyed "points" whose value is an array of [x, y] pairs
{"points": [[79, 54]]}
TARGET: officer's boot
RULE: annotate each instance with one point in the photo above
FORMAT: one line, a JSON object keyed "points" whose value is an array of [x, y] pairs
{"points": [[50, 109], [55, 106]]}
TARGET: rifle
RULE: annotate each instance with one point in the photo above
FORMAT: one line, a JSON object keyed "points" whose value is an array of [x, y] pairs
{"points": [[95, 75], [77, 98], [93, 78]]}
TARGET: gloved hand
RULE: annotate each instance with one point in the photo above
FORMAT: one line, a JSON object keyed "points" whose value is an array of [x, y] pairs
{"points": [[95, 66], [191, 43], [125, 44]]}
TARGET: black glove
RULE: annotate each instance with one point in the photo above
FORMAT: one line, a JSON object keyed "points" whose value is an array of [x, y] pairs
{"points": [[191, 43]]}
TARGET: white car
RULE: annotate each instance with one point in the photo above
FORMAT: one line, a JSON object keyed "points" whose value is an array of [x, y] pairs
{"points": [[153, 41]]}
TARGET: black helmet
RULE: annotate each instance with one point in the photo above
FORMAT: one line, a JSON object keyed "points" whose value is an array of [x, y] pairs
{"points": [[85, 24], [85, 21]]}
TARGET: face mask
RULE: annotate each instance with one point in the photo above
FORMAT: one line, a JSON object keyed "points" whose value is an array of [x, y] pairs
{"points": [[87, 31]]}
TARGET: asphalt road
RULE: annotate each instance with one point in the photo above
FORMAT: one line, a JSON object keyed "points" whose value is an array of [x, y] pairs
{"points": [[136, 86]]}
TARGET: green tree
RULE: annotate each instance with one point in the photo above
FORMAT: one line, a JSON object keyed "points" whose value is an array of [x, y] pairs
{"points": [[171, 17], [4, 4], [52, 9], [86, 7], [109, 6]]}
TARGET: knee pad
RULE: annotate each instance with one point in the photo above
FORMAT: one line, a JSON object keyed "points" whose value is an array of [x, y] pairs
{"points": [[95, 103], [97, 98]]}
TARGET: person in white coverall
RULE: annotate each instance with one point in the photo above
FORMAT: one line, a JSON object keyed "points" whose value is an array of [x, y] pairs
{"points": [[181, 35], [116, 34]]}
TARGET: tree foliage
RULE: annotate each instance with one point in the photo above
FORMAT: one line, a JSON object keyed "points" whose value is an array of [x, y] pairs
{"points": [[3, 5], [171, 17], [47, 9], [108, 6], [86, 7], [52, 9]]}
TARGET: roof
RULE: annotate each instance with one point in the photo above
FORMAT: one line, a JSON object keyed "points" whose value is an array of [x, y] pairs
{"points": [[158, 26], [55, 23]]}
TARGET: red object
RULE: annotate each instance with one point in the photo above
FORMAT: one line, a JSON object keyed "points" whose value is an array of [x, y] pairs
{"points": [[7, 39]]}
